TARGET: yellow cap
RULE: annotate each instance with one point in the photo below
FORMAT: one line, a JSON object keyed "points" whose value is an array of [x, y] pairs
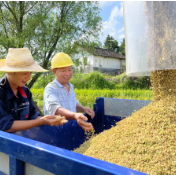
{"points": [[61, 60]]}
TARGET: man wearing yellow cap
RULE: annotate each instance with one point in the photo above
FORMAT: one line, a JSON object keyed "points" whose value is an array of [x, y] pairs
{"points": [[17, 111], [59, 96]]}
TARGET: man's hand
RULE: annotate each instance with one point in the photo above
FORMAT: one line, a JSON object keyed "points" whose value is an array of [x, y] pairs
{"points": [[53, 120], [90, 112], [81, 120]]}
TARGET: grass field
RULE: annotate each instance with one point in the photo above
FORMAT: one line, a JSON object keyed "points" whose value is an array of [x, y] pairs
{"points": [[87, 97], [96, 84]]}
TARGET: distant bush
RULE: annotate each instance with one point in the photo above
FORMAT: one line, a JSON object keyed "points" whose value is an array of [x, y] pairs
{"points": [[94, 80], [43, 80], [135, 83], [98, 80], [124, 82]]}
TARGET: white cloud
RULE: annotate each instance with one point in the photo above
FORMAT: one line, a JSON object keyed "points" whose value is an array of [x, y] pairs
{"points": [[116, 11], [119, 31], [121, 36], [111, 25]]}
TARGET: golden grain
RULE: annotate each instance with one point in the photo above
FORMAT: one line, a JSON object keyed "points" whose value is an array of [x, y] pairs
{"points": [[146, 141]]}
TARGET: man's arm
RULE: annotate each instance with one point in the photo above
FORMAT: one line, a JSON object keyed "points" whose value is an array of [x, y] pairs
{"points": [[54, 107], [65, 112], [89, 111], [19, 125], [24, 125], [80, 108], [79, 117]]}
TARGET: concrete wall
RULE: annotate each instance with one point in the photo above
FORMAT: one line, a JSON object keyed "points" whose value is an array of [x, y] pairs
{"points": [[33, 170], [123, 62], [111, 66], [89, 67], [29, 168], [4, 163], [107, 62], [109, 71]]}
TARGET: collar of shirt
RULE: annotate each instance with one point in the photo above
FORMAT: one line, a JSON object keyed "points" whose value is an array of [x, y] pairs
{"points": [[9, 90], [60, 85]]}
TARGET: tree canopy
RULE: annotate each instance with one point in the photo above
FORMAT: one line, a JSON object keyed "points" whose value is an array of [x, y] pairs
{"points": [[111, 43], [122, 48], [48, 27]]}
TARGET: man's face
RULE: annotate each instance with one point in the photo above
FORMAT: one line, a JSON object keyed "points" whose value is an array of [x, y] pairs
{"points": [[19, 78], [63, 74]]}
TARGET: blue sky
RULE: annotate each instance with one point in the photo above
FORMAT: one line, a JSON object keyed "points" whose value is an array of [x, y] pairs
{"points": [[113, 22]]}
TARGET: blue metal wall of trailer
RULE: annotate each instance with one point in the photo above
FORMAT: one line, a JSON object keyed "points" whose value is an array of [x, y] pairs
{"points": [[39, 146]]}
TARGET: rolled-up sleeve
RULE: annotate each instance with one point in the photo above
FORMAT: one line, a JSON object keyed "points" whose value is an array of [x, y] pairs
{"points": [[6, 122], [51, 102], [77, 102], [6, 118]]}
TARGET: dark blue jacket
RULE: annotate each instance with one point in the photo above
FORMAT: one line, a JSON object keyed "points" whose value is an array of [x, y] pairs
{"points": [[20, 107]]}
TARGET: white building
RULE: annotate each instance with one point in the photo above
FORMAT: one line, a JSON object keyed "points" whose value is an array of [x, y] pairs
{"points": [[107, 61]]}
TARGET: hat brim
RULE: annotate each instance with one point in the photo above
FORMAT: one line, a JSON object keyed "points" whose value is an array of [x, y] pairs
{"points": [[63, 66], [32, 68]]}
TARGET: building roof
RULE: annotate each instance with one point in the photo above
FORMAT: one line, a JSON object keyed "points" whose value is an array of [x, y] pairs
{"points": [[107, 53]]}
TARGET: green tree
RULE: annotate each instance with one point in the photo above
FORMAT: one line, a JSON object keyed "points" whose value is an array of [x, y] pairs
{"points": [[48, 27], [122, 48], [111, 43], [99, 44]]}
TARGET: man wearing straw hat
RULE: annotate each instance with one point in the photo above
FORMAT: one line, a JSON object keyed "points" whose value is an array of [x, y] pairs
{"points": [[59, 96], [17, 111]]}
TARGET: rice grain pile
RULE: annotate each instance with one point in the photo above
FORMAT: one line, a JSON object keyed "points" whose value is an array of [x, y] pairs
{"points": [[146, 141]]}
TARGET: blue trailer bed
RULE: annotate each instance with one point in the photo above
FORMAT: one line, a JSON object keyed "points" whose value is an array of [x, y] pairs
{"points": [[47, 150]]}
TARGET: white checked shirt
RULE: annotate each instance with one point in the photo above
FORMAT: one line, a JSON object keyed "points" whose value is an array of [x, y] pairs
{"points": [[56, 95]]}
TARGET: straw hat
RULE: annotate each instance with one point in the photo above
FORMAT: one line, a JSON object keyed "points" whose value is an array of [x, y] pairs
{"points": [[19, 60]]}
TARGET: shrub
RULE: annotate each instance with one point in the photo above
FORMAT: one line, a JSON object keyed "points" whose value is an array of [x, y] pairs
{"points": [[98, 80], [94, 80], [136, 83], [43, 80]]}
